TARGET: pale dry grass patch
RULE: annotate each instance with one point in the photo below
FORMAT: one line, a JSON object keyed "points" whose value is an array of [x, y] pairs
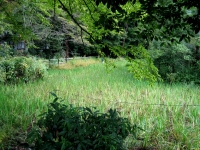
{"points": [[70, 64]]}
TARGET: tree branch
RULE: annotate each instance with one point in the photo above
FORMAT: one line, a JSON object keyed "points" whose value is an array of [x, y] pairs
{"points": [[82, 36], [94, 6], [89, 10], [70, 6], [54, 9], [75, 21]]}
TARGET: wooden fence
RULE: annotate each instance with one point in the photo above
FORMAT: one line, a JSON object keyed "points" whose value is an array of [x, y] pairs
{"points": [[58, 61]]}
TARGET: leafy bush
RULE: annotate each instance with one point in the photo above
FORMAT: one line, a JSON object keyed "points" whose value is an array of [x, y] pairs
{"points": [[23, 69], [5, 51], [176, 62], [67, 127]]}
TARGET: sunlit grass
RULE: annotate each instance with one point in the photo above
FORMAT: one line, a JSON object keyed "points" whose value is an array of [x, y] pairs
{"points": [[77, 62], [165, 112]]}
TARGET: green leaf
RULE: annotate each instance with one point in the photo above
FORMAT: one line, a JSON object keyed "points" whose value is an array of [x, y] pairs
{"points": [[53, 94], [89, 110]]}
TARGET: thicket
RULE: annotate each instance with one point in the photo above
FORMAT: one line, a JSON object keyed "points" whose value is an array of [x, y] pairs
{"points": [[177, 62], [21, 69], [5, 51], [68, 127]]}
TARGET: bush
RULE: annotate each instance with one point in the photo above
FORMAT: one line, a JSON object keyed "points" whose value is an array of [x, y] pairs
{"points": [[176, 62], [5, 51], [17, 69], [67, 127]]}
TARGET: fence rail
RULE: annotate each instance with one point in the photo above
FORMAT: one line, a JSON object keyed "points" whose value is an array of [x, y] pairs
{"points": [[148, 104], [193, 105], [58, 61]]}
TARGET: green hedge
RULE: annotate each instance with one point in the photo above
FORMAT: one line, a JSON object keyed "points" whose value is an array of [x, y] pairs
{"points": [[21, 69]]}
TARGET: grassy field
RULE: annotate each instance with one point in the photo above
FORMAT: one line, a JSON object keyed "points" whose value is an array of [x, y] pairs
{"points": [[169, 114]]}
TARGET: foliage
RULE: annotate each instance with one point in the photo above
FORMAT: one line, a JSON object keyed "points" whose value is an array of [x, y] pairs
{"points": [[177, 62], [39, 25], [108, 25], [69, 127], [141, 64], [23, 69], [5, 51], [168, 14]]}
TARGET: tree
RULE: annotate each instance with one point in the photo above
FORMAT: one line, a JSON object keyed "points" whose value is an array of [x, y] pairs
{"points": [[38, 23], [115, 27], [157, 19]]}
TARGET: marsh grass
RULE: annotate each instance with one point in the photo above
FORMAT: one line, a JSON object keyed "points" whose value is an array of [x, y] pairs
{"points": [[165, 112]]}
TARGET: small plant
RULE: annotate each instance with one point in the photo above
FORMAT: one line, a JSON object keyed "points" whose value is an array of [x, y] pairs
{"points": [[67, 127]]}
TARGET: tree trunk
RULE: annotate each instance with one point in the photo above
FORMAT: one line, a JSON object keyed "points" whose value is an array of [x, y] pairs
{"points": [[67, 49]]}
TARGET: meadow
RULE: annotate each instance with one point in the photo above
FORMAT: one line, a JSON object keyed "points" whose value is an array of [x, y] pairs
{"points": [[168, 113]]}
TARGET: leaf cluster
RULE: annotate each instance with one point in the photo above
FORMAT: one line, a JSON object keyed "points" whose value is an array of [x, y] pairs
{"points": [[68, 127], [178, 19], [141, 64]]}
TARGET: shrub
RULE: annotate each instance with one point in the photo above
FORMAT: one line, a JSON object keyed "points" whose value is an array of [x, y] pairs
{"points": [[67, 127], [23, 69], [176, 62], [5, 51]]}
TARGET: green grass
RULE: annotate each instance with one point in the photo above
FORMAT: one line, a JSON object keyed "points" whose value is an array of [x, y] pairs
{"points": [[161, 110]]}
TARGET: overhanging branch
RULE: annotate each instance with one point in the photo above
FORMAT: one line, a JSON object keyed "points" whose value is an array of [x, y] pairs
{"points": [[75, 21], [89, 10]]}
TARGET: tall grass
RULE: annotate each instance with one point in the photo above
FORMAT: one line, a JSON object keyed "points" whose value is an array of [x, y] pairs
{"points": [[165, 112]]}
